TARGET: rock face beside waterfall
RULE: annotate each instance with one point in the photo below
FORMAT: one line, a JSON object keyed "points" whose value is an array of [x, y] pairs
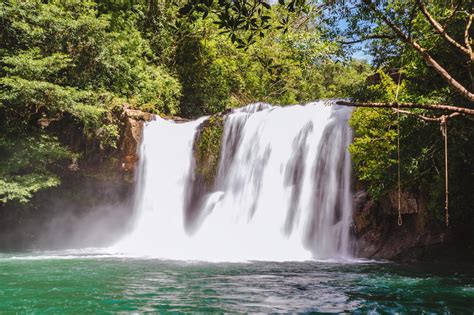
{"points": [[421, 236], [131, 135], [95, 194]]}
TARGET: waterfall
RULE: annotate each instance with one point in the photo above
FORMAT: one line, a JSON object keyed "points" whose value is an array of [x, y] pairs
{"points": [[282, 189]]}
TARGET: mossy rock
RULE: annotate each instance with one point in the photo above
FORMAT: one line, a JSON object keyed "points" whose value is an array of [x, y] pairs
{"points": [[207, 148]]}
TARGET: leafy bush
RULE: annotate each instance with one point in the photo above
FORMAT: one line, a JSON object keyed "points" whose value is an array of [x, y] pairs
{"points": [[27, 165]]}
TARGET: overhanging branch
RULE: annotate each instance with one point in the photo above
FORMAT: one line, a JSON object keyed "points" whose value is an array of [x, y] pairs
{"points": [[443, 107]]}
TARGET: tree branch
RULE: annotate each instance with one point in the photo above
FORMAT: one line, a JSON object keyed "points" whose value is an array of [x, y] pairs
{"points": [[430, 60], [368, 37], [428, 119], [425, 118], [302, 22], [449, 108], [440, 30], [467, 38]]}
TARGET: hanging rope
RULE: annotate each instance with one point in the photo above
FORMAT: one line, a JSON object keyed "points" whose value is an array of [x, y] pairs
{"points": [[399, 221], [444, 131], [443, 120]]}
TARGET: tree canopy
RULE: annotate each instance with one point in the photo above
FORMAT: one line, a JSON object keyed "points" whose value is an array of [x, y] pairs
{"points": [[80, 61]]}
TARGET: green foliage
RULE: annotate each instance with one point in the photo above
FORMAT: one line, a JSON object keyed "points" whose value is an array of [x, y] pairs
{"points": [[374, 148], [27, 165], [385, 90], [339, 80], [295, 67], [64, 59], [70, 45], [245, 21], [80, 61], [207, 149], [32, 65]]}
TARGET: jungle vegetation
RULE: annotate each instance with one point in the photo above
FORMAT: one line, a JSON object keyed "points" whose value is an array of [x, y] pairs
{"points": [[82, 60]]}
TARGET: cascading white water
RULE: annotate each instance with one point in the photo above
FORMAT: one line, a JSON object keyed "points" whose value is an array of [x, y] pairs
{"points": [[282, 190]]}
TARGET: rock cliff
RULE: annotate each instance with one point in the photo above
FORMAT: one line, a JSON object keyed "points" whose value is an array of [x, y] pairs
{"points": [[421, 236]]}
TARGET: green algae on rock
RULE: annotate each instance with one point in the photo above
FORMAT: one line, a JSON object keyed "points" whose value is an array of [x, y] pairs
{"points": [[207, 149]]}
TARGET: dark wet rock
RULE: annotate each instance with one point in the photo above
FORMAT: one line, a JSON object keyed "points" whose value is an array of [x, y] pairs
{"points": [[421, 237]]}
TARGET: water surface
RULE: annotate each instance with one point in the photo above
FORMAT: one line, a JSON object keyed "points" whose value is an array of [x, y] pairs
{"points": [[81, 284]]}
